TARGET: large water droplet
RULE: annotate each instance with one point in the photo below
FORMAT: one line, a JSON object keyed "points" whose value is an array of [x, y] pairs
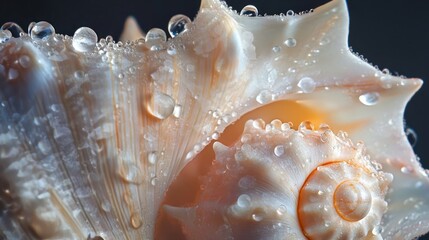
{"points": [[155, 38], [177, 24], [84, 39], [152, 157], [13, 28], [161, 105], [24, 61], [290, 42], [250, 11], [42, 30], [5, 35], [370, 98], [136, 221], [307, 84]]}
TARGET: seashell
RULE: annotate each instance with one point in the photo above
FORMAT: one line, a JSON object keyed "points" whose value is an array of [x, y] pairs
{"points": [[278, 182], [105, 140]]}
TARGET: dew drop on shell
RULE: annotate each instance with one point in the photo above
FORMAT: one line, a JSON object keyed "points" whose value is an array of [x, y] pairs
{"points": [[370, 98], [412, 136], [155, 37], [161, 105], [5, 35], [42, 30], [13, 28], [30, 26], [152, 157], [244, 201], [250, 11], [290, 42], [290, 13], [264, 96], [24, 61], [279, 150], [84, 39], [307, 84], [178, 24]]}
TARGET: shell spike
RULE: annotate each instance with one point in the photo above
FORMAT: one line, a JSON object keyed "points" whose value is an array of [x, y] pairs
{"points": [[132, 30]]}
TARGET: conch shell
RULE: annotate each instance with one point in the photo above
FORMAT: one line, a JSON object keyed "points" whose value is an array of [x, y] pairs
{"points": [[94, 133]]}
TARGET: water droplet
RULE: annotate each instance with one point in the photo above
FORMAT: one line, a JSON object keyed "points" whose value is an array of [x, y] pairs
{"points": [[279, 150], [106, 206], [30, 26], [412, 136], [177, 24], [370, 98], [161, 105], [13, 28], [250, 11], [290, 42], [281, 210], [306, 125], [152, 157], [131, 173], [24, 61], [155, 38], [12, 74], [320, 192], [177, 112], [276, 49], [84, 39], [264, 96], [136, 221], [307, 84], [215, 136], [290, 13], [153, 181], [257, 217], [244, 201], [42, 30], [246, 182], [5, 35], [171, 50]]}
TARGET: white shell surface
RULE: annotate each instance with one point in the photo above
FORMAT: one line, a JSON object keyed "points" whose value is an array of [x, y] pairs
{"points": [[254, 190], [81, 149]]}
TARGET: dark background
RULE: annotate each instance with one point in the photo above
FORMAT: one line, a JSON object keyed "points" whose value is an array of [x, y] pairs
{"points": [[392, 34]]}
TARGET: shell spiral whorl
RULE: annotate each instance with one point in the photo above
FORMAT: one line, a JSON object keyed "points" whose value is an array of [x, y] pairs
{"points": [[279, 182]]}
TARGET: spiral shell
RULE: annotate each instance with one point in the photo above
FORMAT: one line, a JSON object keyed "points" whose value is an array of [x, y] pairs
{"points": [[278, 182]]}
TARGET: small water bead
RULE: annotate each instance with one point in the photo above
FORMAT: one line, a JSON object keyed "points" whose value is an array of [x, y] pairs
{"points": [[290, 42], [136, 221], [152, 157], [24, 61], [171, 50], [412, 136], [178, 24], [12, 74], [13, 28], [84, 39], [155, 38], [276, 49], [279, 150], [177, 112], [5, 35], [290, 13], [244, 201], [370, 98], [161, 105], [42, 30], [264, 96], [250, 11], [307, 84]]}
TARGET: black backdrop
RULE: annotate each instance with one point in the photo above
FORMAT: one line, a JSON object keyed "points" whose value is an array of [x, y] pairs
{"points": [[392, 34]]}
